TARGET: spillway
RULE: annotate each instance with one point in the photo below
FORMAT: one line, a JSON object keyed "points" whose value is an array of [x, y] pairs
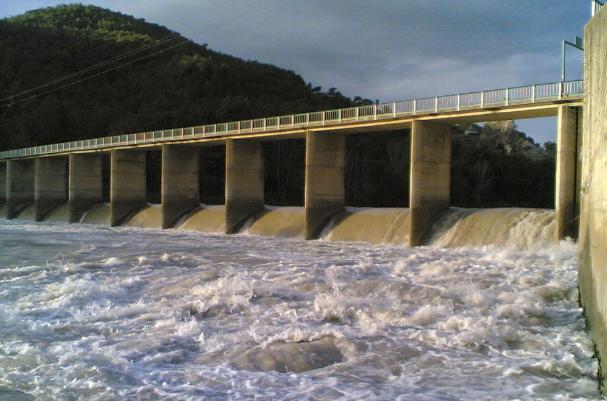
{"points": [[100, 215], [277, 221], [148, 217], [512, 227], [374, 225], [60, 214], [208, 219]]}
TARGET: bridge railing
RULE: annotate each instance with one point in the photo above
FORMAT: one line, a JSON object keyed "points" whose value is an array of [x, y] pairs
{"points": [[432, 105]]}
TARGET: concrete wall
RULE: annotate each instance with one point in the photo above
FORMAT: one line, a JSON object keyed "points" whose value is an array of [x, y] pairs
{"points": [[85, 183], [2, 183], [593, 219], [180, 193], [127, 184], [19, 186], [50, 190], [430, 183], [325, 189], [566, 172], [244, 181]]}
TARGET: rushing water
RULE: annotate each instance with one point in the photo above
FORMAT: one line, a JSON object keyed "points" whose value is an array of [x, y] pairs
{"points": [[101, 314]]}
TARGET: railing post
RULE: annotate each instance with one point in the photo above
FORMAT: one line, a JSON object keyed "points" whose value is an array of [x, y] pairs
{"points": [[507, 96], [436, 104], [356, 114], [394, 109], [561, 88], [482, 100], [375, 111], [533, 94], [339, 116], [459, 98], [278, 123], [414, 106], [323, 117]]}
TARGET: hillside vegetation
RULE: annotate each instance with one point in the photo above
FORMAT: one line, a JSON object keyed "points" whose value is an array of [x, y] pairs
{"points": [[182, 86]]}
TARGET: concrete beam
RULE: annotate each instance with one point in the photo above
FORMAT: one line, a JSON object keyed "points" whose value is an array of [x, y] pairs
{"points": [[50, 184], [127, 184], [19, 186], [566, 165], [85, 183], [325, 187], [180, 192], [244, 182], [430, 182]]}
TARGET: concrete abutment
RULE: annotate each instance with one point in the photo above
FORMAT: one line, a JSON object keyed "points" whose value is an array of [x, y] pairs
{"points": [[593, 218]]}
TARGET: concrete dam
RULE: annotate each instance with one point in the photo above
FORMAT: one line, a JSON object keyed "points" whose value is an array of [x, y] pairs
{"points": [[107, 180]]}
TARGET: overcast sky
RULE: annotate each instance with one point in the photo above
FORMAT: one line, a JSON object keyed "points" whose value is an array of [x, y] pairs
{"points": [[381, 49]]}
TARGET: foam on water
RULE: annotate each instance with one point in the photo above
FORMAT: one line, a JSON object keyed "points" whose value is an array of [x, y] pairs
{"points": [[96, 313]]}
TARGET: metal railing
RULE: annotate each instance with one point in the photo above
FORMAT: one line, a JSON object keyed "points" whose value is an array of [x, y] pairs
{"points": [[596, 6], [461, 102]]}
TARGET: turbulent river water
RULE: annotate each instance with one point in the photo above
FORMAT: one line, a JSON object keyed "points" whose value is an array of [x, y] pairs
{"points": [[94, 313]]}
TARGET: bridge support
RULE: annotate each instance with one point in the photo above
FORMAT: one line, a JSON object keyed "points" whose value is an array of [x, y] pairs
{"points": [[50, 185], [127, 184], [19, 186], [180, 193], [430, 182], [2, 184], [566, 163], [244, 182], [325, 187], [85, 183]]}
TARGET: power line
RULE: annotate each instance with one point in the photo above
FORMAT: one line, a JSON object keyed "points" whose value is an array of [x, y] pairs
{"points": [[93, 67], [96, 75]]}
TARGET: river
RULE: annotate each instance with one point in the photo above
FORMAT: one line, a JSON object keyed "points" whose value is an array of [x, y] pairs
{"points": [[93, 313]]}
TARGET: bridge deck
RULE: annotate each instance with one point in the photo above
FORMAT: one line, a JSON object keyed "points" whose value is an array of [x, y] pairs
{"points": [[531, 101]]}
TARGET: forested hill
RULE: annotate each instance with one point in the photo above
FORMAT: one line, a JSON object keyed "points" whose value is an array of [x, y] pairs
{"points": [[165, 84]]}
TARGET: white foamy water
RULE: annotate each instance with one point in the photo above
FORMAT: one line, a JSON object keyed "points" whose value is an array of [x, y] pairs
{"points": [[89, 313]]}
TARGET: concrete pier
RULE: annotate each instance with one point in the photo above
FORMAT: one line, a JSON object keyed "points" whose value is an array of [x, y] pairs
{"points": [[430, 182], [244, 182], [180, 191], [2, 183], [50, 184], [19, 186], [325, 187], [566, 166], [127, 184], [85, 183]]}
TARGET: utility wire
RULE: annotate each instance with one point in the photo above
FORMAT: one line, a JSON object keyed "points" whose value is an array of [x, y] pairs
{"points": [[96, 74], [93, 67]]}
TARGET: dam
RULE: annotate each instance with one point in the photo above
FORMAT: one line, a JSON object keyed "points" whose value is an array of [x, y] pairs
{"points": [[478, 319], [155, 179]]}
